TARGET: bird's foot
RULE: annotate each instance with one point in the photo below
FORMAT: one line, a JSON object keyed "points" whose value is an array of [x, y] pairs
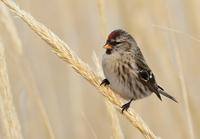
{"points": [[126, 106], [105, 82]]}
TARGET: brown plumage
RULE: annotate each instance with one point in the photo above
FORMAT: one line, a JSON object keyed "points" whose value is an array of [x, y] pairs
{"points": [[126, 70]]}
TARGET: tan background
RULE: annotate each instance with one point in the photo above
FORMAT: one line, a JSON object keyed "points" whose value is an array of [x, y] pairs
{"points": [[52, 101]]}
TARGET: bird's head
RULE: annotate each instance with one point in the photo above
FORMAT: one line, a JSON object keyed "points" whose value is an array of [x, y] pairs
{"points": [[119, 41]]}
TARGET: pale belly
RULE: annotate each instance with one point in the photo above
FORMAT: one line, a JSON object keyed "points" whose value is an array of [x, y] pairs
{"points": [[128, 89], [119, 87]]}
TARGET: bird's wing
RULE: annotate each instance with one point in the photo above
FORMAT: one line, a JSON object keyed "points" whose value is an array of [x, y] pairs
{"points": [[146, 76]]}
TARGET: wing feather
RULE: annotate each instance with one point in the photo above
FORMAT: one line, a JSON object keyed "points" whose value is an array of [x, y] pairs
{"points": [[147, 77]]}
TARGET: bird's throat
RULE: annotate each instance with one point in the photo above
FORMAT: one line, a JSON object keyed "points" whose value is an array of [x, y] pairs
{"points": [[108, 51]]}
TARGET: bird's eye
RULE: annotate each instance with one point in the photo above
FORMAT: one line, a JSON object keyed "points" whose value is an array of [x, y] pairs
{"points": [[114, 43]]}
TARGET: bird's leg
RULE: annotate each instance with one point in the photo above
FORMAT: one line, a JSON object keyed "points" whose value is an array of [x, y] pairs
{"points": [[126, 106], [105, 82]]}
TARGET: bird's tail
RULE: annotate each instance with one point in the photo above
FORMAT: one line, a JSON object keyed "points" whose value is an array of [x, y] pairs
{"points": [[161, 91]]}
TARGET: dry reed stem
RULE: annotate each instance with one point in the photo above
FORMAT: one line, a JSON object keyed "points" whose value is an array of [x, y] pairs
{"points": [[117, 132], [182, 80], [89, 126], [9, 117], [7, 24], [177, 31], [101, 7], [45, 117], [184, 92], [25, 72], [33, 92], [63, 51]]}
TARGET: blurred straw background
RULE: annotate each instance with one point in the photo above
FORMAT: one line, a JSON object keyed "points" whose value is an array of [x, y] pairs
{"points": [[53, 102]]}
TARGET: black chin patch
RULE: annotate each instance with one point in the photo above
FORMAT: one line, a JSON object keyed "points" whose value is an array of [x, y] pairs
{"points": [[108, 51]]}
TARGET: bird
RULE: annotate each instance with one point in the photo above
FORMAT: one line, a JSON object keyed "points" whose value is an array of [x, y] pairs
{"points": [[126, 71]]}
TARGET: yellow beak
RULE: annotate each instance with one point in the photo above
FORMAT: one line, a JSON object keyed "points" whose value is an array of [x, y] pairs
{"points": [[108, 46]]}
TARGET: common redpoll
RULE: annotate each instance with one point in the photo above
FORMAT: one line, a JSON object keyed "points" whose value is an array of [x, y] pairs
{"points": [[126, 70]]}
